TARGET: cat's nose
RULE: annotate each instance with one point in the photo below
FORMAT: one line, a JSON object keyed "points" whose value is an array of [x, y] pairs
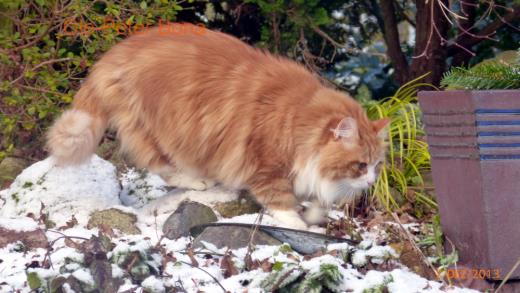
{"points": [[370, 182]]}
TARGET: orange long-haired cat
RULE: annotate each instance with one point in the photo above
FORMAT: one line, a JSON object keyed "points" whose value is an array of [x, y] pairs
{"points": [[203, 108]]}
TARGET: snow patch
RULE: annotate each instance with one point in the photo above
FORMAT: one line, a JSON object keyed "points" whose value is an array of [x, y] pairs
{"points": [[65, 191], [23, 224]]}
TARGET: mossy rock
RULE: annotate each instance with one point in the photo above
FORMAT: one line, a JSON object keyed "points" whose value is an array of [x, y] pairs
{"points": [[115, 219], [10, 168], [241, 206]]}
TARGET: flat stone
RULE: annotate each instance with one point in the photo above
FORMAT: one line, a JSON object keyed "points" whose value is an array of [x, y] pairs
{"points": [[233, 237], [187, 215], [115, 219]]}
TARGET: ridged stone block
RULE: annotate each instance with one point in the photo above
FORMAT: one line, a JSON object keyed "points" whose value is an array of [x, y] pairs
{"points": [[474, 143]]}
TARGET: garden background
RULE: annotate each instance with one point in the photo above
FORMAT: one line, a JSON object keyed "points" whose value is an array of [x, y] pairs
{"points": [[380, 52]]}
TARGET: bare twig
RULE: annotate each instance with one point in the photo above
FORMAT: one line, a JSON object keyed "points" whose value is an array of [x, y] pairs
{"points": [[466, 39], [40, 90], [51, 244], [40, 65], [248, 259]]}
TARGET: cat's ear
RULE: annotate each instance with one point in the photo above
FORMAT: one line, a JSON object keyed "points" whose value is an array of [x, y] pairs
{"points": [[346, 130], [381, 127]]}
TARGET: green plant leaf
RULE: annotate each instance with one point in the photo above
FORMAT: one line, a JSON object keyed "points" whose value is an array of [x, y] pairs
{"points": [[33, 280]]}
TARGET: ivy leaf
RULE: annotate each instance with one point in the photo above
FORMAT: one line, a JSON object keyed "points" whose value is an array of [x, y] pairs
{"points": [[33, 280]]}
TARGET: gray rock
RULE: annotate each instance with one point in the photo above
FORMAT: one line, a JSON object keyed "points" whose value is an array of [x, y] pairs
{"points": [[10, 168], [115, 219], [187, 215], [233, 237]]}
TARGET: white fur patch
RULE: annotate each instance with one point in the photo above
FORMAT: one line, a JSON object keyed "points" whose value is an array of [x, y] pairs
{"points": [[307, 180], [365, 181], [72, 138], [77, 121], [308, 183], [182, 180], [289, 218], [314, 214]]}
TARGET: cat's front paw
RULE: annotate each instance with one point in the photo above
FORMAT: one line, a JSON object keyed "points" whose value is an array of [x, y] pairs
{"points": [[200, 184], [290, 219], [315, 215]]}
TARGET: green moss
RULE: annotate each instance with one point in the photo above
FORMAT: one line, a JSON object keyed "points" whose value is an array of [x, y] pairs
{"points": [[27, 184], [15, 197]]}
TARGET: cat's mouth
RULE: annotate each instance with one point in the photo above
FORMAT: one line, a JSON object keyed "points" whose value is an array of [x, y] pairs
{"points": [[332, 191], [358, 184]]}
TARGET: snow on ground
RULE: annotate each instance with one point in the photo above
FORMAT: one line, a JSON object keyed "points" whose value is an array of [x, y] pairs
{"points": [[94, 186], [21, 224]]}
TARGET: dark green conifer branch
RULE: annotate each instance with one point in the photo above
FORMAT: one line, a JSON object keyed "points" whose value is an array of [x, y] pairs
{"points": [[487, 75]]}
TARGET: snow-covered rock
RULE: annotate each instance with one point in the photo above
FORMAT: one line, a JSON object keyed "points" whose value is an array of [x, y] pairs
{"points": [[65, 191]]}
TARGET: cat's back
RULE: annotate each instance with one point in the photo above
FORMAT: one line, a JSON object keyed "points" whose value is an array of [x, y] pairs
{"points": [[199, 66], [160, 47]]}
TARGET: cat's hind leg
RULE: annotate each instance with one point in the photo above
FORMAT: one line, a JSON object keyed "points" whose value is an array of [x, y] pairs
{"points": [[140, 146]]}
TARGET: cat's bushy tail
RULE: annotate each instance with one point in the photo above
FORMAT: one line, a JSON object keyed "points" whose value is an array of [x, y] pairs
{"points": [[76, 133]]}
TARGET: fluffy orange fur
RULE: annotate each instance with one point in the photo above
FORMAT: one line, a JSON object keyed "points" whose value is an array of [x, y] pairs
{"points": [[212, 107]]}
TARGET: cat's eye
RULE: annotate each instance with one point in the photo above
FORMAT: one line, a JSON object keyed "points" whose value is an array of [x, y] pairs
{"points": [[362, 166]]}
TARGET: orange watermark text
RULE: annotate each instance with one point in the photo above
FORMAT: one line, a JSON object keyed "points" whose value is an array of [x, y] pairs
{"points": [[473, 273], [73, 27]]}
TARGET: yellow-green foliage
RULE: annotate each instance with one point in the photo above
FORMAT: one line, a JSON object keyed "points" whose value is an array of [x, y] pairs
{"points": [[46, 49], [408, 158]]}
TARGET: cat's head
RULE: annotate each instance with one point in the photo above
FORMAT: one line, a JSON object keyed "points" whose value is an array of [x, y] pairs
{"points": [[354, 151], [347, 160]]}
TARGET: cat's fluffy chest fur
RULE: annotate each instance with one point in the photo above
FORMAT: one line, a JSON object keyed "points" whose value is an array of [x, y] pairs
{"points": [[208, 108]]}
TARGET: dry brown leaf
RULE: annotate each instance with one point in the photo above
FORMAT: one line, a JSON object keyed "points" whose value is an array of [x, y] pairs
{"points": [[406, 218], [191, 255], [71, 243], [69, 224], [249, 263], [228, 265], [105, 229], [168, 257], [266, 265], [377, 220]]}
